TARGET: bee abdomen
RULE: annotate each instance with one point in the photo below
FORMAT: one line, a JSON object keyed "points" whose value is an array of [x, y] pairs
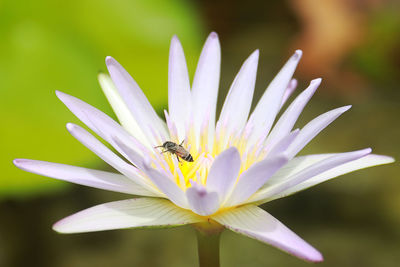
{"points": [[188, 158]]}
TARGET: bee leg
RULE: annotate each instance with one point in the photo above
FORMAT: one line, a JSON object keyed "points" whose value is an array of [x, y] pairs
{"points": [[177, 157], [164, 151], [182, 142]]}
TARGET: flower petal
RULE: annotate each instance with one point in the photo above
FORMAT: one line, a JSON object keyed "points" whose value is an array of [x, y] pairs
{"points": [[313, 128], [267, 108], [179, 97], [290, 116], [224, 172], [167, 186], [253, 178], [309, 172], [301, 163], [283, 143], [131, 213], [88, 177], [120, 109], [289, 91], [256, 223], [108, 156], [97, 121], [205, 87], [202, 201], [236, 108], [137, 102]]}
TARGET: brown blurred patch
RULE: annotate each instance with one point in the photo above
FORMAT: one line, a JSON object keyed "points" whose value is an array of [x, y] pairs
{"points": [[330, 32]]}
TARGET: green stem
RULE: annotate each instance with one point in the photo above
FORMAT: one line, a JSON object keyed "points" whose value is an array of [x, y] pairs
{"points": [[208, 245]]}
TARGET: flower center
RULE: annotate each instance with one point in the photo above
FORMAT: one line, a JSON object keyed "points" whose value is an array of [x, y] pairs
{"points": [[185, 173]]}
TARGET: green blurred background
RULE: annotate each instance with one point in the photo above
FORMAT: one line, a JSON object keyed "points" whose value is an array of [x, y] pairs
{"points": [[47, 45]]}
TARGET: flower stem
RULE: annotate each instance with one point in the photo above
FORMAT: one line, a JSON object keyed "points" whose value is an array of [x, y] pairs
{"points": [[208, 244]]}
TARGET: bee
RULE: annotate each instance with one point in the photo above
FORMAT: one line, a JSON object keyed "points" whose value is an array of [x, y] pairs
{"points": [[178, 150]]}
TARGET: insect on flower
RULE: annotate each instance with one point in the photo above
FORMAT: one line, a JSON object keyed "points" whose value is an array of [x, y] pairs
{"points": [[178, 150]]}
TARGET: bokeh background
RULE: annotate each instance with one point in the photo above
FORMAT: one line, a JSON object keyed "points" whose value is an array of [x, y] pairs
{"points": [[47, 45]]}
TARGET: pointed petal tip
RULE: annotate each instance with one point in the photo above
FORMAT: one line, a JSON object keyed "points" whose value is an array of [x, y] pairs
{"points": [[254, 56], [367, 150], [70, 126], [175, 41], [296, 131], [101, 75], [213, 35], [18, 162], [317, 257], [388, 159], [346, 108], [110, 60], [59, 94], [297, 54], [256, 52], [316, 81], [57, 227]]}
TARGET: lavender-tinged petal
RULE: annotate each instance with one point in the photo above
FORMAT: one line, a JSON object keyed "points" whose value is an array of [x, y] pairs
{"points": [[256, 223], [201, 201], [96, 120], [268, 107], [83, 176], [236, 108], [167, 186], [205, 86], [136, 101], [179, 96], [313, 128], [253, 178], [224, 172], [108, 156], [292, 113], [120, 109], [131, 155], [311, 171], [131, 213], [281, 145], [289, 91], [364, 162]]}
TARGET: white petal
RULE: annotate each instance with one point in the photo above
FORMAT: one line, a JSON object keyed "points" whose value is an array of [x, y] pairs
{"points": [[98, 121], [131, 155], [289, 91], [78, 175], [267, 108], [179, 97], [224, 172], [205, 86], [313, 128], [120, 109], [202, 201], [108, 156], [131, 213], [152, 126], [256, 223], [253, 178], [167, 186], [236, 108], [290, 116], [303, 162], [309, 172], [283, 143]]}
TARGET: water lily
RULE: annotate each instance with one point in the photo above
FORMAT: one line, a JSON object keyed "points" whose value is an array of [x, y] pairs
{"points": [[241, 160]]}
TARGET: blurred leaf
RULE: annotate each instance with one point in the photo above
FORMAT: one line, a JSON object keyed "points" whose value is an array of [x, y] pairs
{"points": [[48, 45]]}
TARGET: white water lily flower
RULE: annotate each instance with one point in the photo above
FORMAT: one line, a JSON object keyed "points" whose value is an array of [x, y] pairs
{"points": [[240, 161]]}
